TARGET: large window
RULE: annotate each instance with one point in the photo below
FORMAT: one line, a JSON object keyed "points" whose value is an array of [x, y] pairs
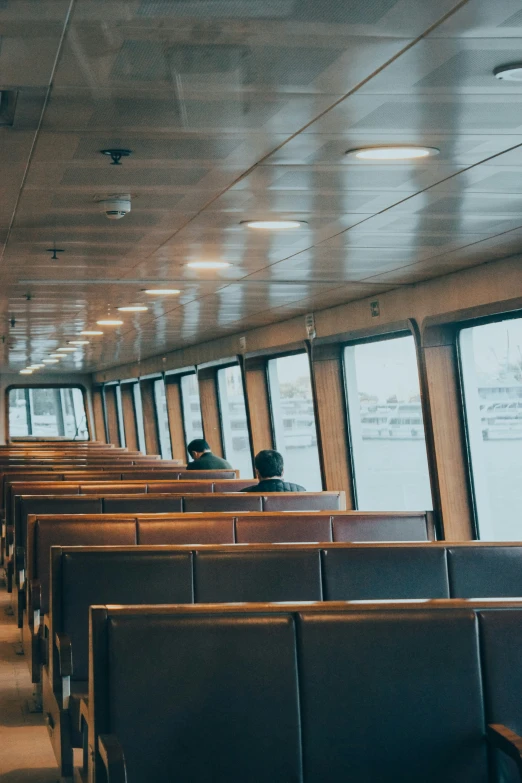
{"points": [[233, 420], [491, 362], [47, 412], [119, 413], [162, 417], [294, 420], [138, 412], [191, 407], [386, 426]]}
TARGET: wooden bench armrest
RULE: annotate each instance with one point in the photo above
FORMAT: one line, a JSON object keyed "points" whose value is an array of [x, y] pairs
{"points": [[33, 604], [64, 647], [111, 754], [507, 741], [20, 565], [84, 713]]}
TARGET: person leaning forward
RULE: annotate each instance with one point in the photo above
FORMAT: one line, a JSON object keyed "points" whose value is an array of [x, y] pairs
{"points": [[269, 467], [203, 459]]}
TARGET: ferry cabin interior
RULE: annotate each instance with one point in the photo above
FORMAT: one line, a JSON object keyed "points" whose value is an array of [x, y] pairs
{"points": [[273, 224]]}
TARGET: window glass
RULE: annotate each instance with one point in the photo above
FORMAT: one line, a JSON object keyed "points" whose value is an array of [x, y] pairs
{"points": [[491, 361], [234, 421], [162, 417], [138, 412], [119, 413], [191, 407], [51, 412], [386, 426], [294, 419]]}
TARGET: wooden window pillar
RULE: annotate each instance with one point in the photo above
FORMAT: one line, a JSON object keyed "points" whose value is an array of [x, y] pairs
{"points": [[99, 419], [210, 409], [150, 425]]}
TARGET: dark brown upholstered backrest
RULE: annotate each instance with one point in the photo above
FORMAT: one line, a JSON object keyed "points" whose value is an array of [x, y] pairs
{"points": [[190, 531], [214, 475], [68, 504], [391, 696], [217, 700], [179, 487], [304, 501], [493, 571], [134, 577], [377, 573], [48, 533], [379, 527], [233, 502], [257, 576], [254, 529], [143, 504], [118, 488]]}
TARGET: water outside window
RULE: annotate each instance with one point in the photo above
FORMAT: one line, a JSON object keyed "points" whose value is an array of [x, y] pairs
{"points": [[234, 427], [51, 412], [191, 407], [294, 420], [162, 417], [491, 362], [386, 426]]}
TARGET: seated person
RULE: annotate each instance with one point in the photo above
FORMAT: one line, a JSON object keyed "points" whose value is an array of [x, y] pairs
{"points": [[203, 458], [269, 467]]}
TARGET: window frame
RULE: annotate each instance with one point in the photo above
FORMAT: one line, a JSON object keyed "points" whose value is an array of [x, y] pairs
{"points": [[377, 338], [140, 426], [59, 439], [225, 366], [511, 315], [179, 378], [156, 380]]}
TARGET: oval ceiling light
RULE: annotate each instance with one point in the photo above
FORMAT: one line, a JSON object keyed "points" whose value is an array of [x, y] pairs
{"points": [[35, 367], [393, 152], [509, 73], [56, 355], [78, 342], [26, 372], [91, 333], [132, 309], [50, 361], [66, 350], [109, 322], [161, 291], [208, 264], [273, 225]]}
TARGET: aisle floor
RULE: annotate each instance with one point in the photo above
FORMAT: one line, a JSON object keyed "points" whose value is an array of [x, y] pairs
{"points": [[25, 750]]}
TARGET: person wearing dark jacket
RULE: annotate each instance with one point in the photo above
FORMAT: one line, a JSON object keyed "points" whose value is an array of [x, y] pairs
{"points": [[269, 467], [203, 459]]}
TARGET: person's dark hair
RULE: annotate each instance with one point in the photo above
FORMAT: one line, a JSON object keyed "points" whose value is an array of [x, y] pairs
{"points": [[199, 444], [269, 463]]}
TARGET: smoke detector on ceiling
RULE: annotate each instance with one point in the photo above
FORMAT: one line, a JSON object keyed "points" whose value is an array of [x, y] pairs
{"points": [[116, 207]]}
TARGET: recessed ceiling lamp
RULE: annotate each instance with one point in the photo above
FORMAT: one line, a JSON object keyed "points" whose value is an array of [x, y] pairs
{"points": [[393, 152], [91, 333], [132, 309], [161, 291], [208, 264], [509, 73], [26, 372], [78, 342], [273, 225], [56, 355], [50, 361], [109, 322], [66, 350], [35, 367]]}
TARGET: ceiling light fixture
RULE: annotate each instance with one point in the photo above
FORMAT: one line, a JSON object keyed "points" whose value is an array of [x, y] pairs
{"points": [[509, 73], [109, 322], [66, 350], [91, 333], [26, 372], [393, 152], [78, 342], [273, 225], [56, 355], [50, 361], [132, 309], [35, 366], [161, 291], [208, 264]]}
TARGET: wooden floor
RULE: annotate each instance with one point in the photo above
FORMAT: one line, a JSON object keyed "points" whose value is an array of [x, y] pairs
{"points": [[25, 750]]}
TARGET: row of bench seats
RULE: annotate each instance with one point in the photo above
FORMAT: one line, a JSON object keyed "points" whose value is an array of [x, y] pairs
{"points": [[305, 693], [85, 576]]}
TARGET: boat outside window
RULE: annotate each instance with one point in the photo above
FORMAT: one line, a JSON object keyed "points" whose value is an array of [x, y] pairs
{"points": [[294, 419], [386, 426], [491, 367]]}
